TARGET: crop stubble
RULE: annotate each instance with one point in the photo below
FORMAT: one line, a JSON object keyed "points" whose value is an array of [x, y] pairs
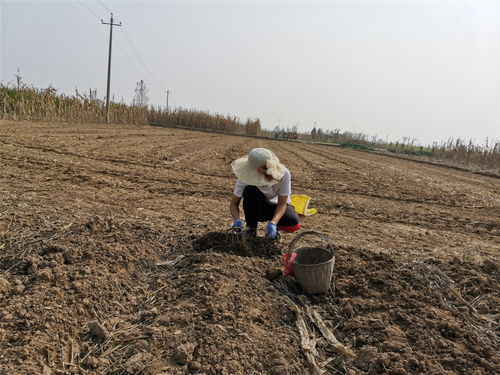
{"points": [[124, 226]]}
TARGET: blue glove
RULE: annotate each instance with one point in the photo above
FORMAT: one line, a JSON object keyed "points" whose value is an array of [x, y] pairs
{"points": [[238, 224], [271, 231]]}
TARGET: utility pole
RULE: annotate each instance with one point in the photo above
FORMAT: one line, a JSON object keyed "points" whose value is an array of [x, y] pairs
{"points": [[111, 24], [167, 92]]}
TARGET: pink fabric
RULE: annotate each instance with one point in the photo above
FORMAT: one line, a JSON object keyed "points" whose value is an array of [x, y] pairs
{"points": [[287, 260]]}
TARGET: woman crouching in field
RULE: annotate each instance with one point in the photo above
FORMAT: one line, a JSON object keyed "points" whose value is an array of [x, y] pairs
{"points": [[265, 186]]}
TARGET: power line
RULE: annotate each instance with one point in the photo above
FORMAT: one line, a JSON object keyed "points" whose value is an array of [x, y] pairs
{"points": [[88, 9], [141, 72], [131, 44], [129, 40], [104, 6]]}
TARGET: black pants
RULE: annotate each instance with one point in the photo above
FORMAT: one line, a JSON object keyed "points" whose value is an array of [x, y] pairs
{"points": [[257, 208]]}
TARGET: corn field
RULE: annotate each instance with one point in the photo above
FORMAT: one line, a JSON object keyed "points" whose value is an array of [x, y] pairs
{"points": [[28, 103], [487, 155], [473, 155], [193, 118]]}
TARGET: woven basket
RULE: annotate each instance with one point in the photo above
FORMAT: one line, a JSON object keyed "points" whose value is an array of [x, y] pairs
{"points": [[313, 266]]}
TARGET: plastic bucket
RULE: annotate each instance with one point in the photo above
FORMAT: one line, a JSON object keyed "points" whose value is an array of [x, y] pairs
{"points": [[301, 203], [313, 266]]}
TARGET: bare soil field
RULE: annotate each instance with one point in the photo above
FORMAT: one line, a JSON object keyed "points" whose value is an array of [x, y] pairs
{"points": [[114, 259]]}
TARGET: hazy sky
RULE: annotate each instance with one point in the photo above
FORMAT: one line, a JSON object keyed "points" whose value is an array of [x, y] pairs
{"points": [[425, 69]]}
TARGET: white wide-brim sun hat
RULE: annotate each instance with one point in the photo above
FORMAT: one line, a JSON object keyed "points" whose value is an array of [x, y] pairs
{"points": [[246, 168]]}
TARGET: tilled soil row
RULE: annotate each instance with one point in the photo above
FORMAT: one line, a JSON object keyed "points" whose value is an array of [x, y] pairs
{"points": [[205, 310], [114, 259]]}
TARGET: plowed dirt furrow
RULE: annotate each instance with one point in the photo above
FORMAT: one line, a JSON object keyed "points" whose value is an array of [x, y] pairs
{"points": [[115, 259]]}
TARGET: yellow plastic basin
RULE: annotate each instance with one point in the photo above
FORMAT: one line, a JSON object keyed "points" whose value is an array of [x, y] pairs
{"points": [[301, 203]]}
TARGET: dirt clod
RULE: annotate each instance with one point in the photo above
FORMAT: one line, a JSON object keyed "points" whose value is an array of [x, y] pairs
{"points": [[272, 275], [156, 367], [4, 286], [489, 266], [32, 266], [147, 254], [69, 257], [97, 330], [226, 243], [366, 356], [92, 362], [136, 363], [183, 354], [45, 275]]}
